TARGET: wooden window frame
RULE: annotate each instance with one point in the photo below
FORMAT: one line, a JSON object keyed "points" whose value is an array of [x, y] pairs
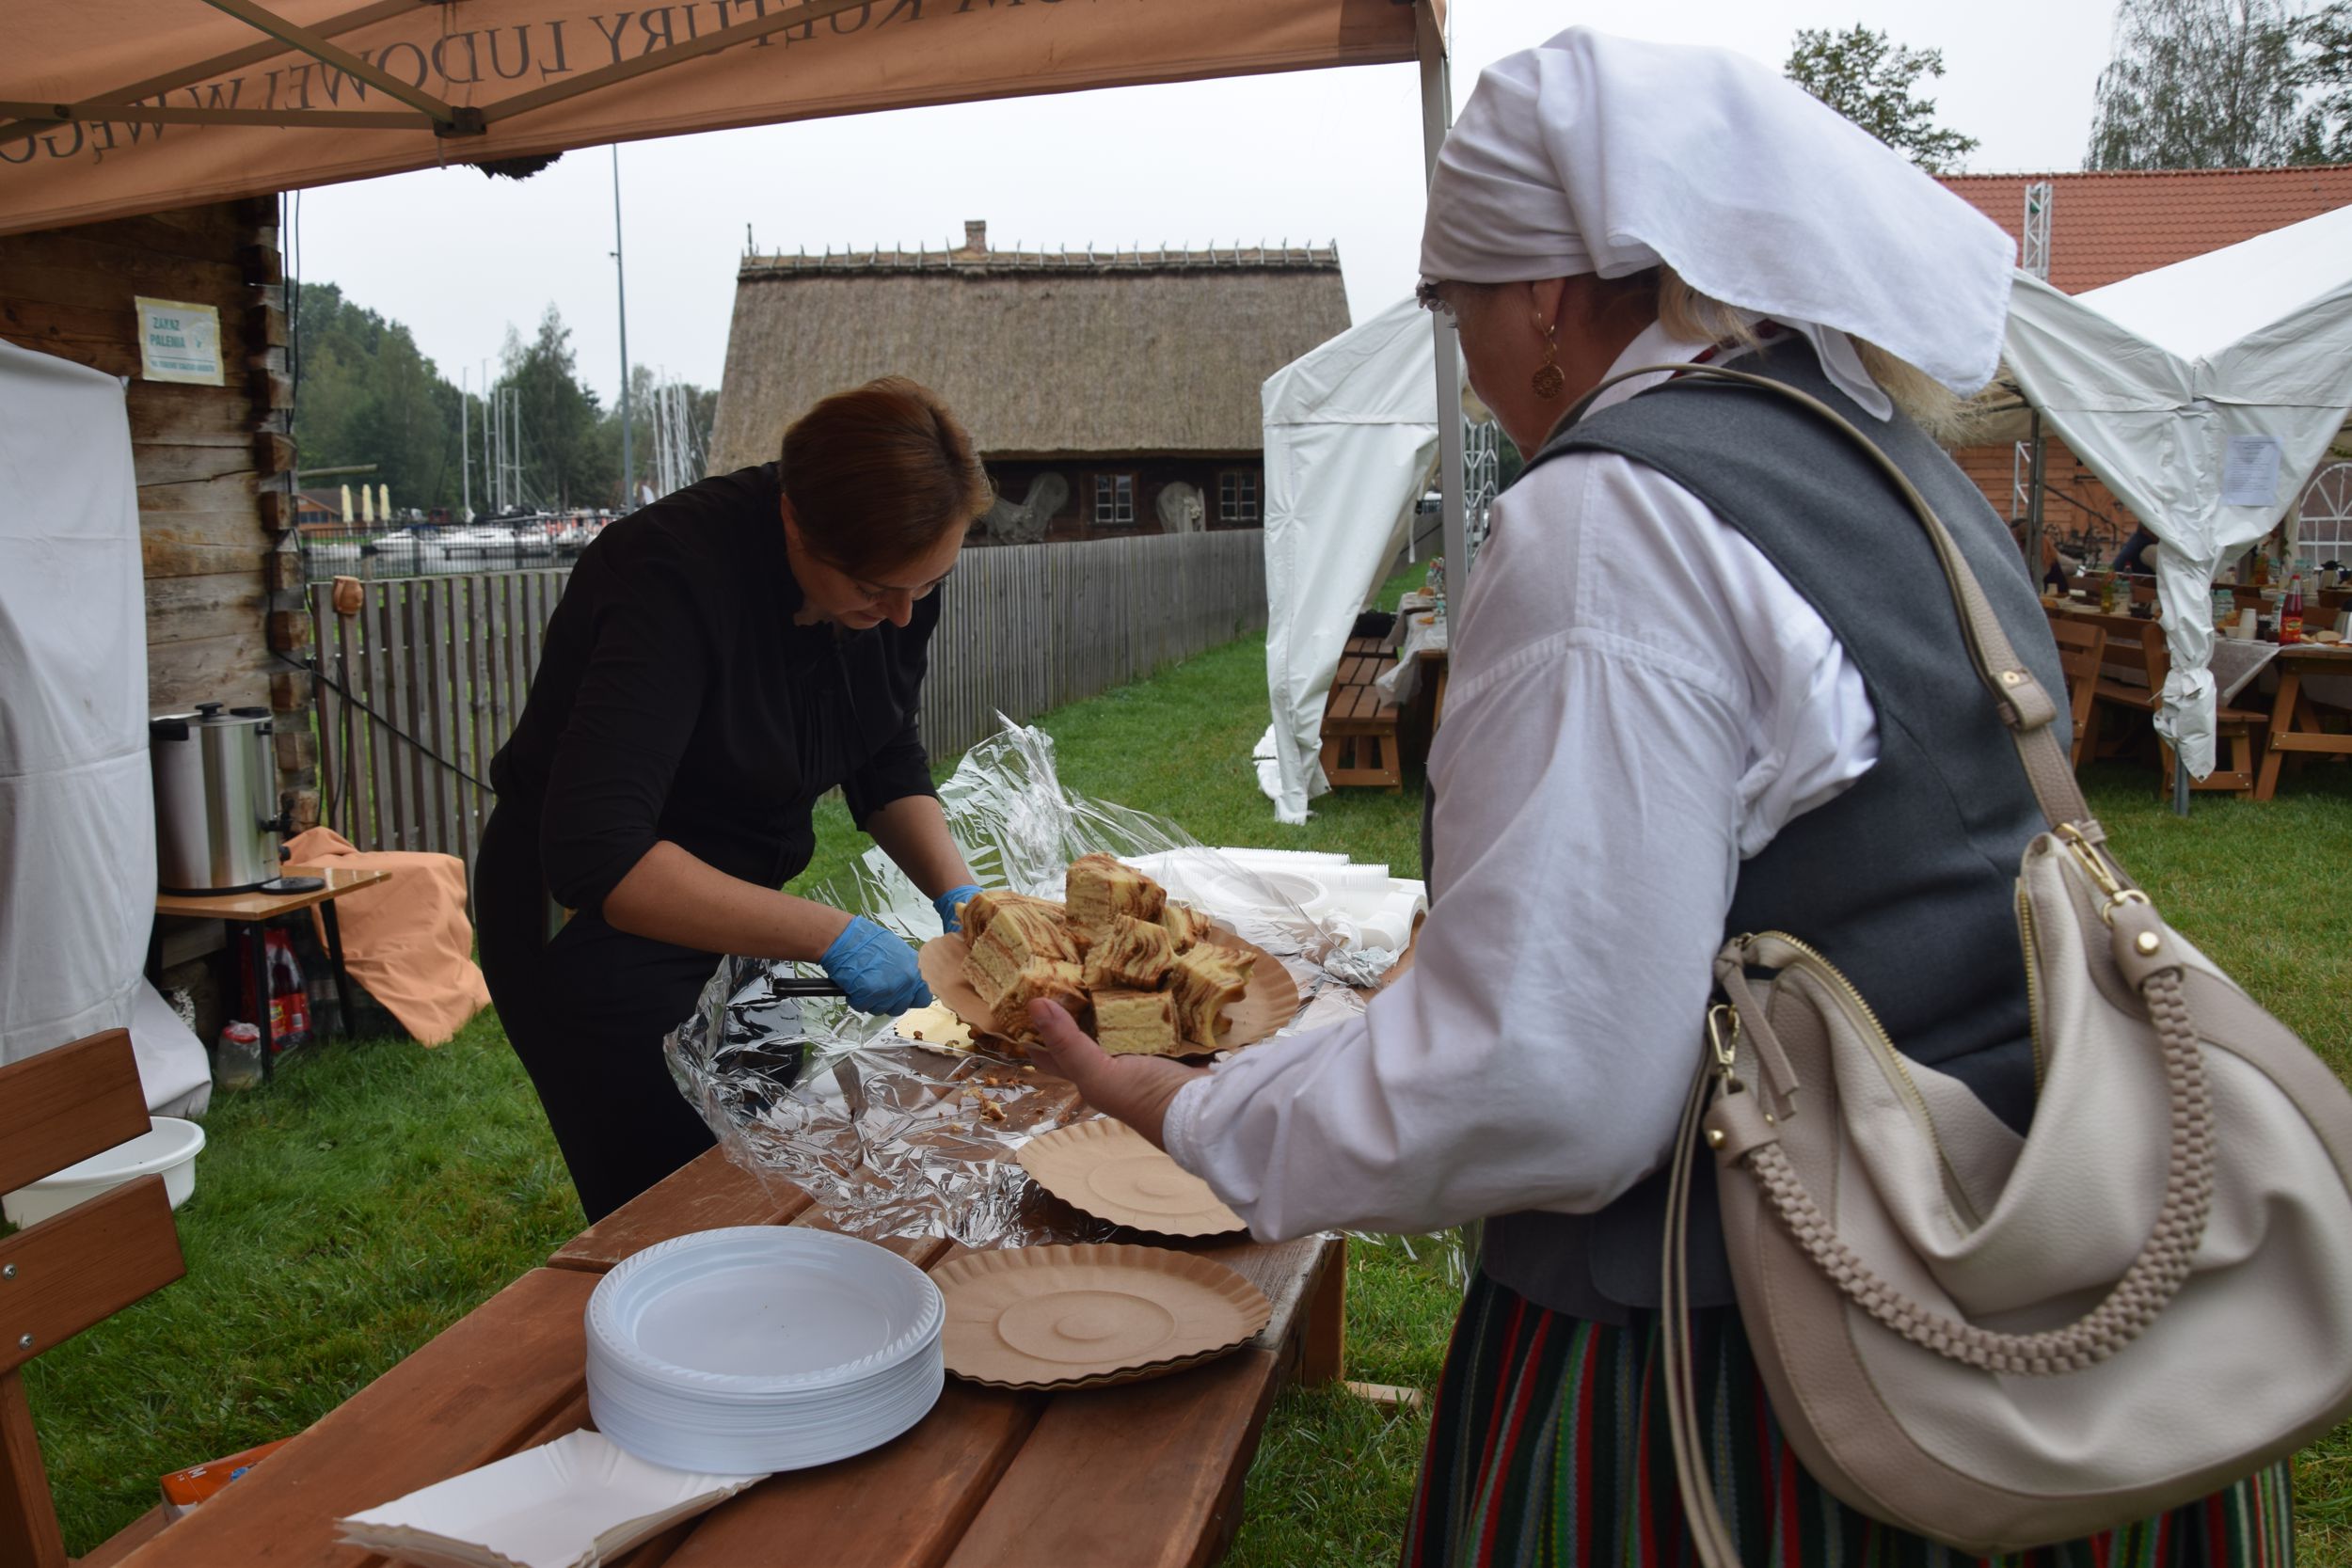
{"points": [[1229, 482], [1112, 478]]}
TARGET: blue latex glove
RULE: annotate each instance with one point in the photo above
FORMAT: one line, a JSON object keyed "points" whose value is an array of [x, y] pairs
{"points": [[875, 970], [946, 904]]}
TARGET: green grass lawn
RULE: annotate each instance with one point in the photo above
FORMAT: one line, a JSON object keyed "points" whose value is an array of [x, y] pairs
{"points": [[380, 1191]]}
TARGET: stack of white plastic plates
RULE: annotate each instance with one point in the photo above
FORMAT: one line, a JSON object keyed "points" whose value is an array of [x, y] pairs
{"points": [[761, 1348]]}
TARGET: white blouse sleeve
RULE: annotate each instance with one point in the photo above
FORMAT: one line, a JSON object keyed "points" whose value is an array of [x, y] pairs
{"points": [[1628, 715]]}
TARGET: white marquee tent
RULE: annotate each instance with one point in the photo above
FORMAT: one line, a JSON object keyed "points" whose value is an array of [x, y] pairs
{"points": [[1351, 446], [2204, 394]]}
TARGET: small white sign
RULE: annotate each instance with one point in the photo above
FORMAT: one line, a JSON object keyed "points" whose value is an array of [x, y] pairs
{"points": [[2249, 471], [179, 341]]}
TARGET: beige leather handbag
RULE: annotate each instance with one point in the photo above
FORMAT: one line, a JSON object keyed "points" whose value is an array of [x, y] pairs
{"points": [[2000, 1342]]}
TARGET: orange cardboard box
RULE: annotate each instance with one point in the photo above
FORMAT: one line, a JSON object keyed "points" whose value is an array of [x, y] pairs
{"points": [[184, 1490]]}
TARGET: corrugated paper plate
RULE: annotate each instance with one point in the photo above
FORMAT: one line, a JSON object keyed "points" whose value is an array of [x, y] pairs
{"points": [[1063, 1317], [1108, 1170], [1269, 997]]}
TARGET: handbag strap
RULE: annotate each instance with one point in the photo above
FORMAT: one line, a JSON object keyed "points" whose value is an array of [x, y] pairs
{"points": [[2029, 711], [2025, 707]]}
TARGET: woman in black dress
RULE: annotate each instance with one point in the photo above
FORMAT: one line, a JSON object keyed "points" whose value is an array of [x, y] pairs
{"points": [[719, 660]]}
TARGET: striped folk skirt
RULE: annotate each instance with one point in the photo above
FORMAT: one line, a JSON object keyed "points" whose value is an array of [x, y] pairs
{"points": [[1549, 1446]]}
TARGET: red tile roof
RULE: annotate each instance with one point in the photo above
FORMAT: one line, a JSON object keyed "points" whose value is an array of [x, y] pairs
{"points": [[2110, 226]]}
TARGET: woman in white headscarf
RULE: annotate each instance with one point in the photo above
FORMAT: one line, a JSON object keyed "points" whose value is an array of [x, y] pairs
{"points": [[1707, 678]]}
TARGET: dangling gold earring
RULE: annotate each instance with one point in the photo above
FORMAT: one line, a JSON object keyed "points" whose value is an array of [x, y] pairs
{"points": [[1547, 380]]}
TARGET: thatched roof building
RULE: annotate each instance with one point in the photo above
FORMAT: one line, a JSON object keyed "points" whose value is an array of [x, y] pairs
{"points": [[1068, 358]]}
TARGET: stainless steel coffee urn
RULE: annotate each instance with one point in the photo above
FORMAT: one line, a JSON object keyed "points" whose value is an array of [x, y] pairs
{"points": [[217, 812]]}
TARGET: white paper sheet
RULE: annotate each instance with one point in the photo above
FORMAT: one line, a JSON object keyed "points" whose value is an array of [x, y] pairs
{"points": [[2249, 471], [573, 1503]]}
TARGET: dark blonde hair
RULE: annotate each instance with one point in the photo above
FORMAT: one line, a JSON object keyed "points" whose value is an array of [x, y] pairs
{"points": [[878, 475]]}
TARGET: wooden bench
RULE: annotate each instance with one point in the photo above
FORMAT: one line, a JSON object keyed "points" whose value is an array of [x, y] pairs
{"points": [[2082, 652], [2135, 662], [1361, 724], [73, 1270]]}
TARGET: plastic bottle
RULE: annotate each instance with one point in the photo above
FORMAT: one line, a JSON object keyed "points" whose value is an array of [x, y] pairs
{"points": [[289, 1002], [237, 1059], [2291, 612], [2107, 595]]}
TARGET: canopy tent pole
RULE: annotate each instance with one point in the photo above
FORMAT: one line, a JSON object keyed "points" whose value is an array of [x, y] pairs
{"points": [[340, 58], [1437, 117], [620, 284], [2035, 458], [218, 65]]}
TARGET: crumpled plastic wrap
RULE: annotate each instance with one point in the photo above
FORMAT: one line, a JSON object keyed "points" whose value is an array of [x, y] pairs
{"points": [[890, 1137], [893, 1138]]}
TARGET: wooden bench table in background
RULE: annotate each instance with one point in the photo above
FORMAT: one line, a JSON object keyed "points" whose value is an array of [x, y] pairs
{"points": [[2296, 729], [1147, 1474]]}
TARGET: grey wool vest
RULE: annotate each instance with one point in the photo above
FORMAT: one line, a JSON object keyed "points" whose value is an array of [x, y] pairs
{"points": [[1906, 881]]}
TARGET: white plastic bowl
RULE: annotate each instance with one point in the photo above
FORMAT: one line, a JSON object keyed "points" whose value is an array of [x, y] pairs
{"points": [[168, 1149]]}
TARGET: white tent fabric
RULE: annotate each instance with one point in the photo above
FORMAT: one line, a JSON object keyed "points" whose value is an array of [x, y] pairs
{"points": [[2204, 394], [1351, 445], [77, 819]]}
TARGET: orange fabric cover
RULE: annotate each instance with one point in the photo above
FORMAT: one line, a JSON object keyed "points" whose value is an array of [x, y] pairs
{"points": [[408, 939]]}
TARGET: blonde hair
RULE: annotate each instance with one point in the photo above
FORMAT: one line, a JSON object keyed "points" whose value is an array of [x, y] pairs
{"points": [[1936, 408]]}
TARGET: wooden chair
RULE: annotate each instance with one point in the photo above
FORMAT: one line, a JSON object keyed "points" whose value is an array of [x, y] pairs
{"points": [[2081, 649], [59, 1276], [2131, 641], [1361, 724]]}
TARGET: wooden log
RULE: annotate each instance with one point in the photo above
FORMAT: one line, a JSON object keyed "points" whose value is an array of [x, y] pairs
{"points": [[223, 669], [223, 496], [288, 630], [273, 451], [167, 414]]}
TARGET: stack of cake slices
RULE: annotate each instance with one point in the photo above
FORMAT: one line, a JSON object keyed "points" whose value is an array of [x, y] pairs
{"points": [[1137, 970]]}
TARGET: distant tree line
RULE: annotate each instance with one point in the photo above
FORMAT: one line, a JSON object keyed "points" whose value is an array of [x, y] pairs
{"points": [[365, 394], [2225, 83], [2191, 83]]}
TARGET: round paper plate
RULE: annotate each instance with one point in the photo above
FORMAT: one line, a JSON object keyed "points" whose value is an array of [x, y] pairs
{"points": [[1062, 1316], [1107, 1168], [758, 1311]]}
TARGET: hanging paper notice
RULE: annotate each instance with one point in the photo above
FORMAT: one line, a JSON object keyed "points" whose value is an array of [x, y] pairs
{"points": [[2249, 471], [179, 341]]}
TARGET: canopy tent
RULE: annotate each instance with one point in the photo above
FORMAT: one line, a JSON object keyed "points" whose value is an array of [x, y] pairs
{"points": [[77, 823], [116, 107], [1351, 446], [2204, 394]]}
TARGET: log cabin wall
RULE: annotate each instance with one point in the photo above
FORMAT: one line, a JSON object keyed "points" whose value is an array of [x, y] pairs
{"points": [[1152, 473], [214, 464]]}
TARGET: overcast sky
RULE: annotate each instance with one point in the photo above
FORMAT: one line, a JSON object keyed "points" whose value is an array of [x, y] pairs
{"points": [[1320, 155]]}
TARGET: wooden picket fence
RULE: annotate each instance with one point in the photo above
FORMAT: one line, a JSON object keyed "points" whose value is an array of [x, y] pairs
{"points": [[424, 685]]}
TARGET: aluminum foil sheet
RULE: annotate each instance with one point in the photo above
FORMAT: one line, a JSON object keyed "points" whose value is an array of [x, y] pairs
{"points": [[895, 1138]]}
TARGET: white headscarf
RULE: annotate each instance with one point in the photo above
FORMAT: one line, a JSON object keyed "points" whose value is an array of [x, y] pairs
{"points": [[1600, 155]]}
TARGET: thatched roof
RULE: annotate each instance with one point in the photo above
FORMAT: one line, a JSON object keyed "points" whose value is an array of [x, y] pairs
{"points": [[1040, 354]]}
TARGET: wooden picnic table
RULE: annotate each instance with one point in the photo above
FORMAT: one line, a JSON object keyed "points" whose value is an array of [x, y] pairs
{"points": [[2294, 725], [1148, 1473]]}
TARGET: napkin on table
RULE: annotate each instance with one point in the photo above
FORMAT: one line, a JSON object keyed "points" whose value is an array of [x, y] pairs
{"points": [[572, 1503]]}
